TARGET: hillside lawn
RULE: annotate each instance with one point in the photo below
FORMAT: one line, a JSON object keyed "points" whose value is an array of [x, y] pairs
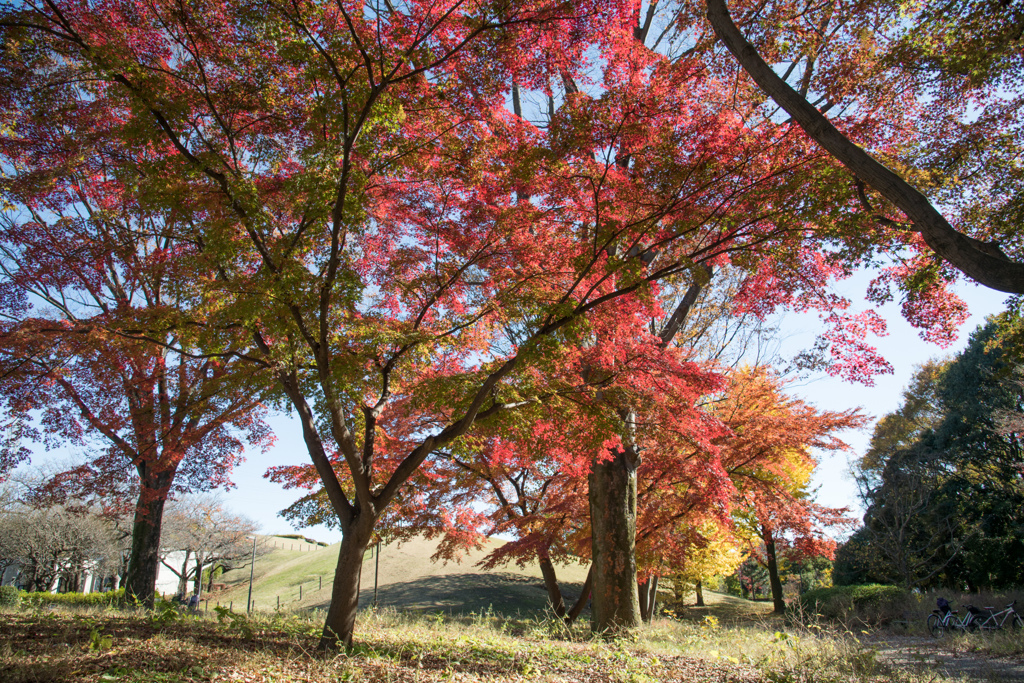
{"points": [[407, 579]]}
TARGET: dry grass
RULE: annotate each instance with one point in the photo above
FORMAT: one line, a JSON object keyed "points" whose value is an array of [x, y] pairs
{"points": [[93, 645]]}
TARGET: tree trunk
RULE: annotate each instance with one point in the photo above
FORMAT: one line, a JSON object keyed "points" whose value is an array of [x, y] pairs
{"points": [[648, 599], [612, 489], [547, 570], [140, 582], [197, 582], [341, 615], [574, 613], [652, 601], [699, 590], [773, 575], [183, 576]]}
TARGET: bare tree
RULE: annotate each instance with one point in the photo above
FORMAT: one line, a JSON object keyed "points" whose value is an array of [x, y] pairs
{"points": [[53, 543], [200, 533]]}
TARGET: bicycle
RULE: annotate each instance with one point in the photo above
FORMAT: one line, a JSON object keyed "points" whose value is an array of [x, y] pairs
{"points": [[993, 620], [943, 620]]}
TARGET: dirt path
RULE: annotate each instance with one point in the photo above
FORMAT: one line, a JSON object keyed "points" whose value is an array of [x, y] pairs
{"points": [[928, 653]]}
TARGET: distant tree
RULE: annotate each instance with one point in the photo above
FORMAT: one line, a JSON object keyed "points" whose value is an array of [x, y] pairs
{"points": [[203, 534], [71, 262], [712, 552], [770, 463], [54, 543], [944, 499]]}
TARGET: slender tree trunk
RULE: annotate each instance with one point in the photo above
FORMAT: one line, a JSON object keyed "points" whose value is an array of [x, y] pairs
{"points": [[341, 615], [144, 562], [773, 575], [652, 599], [699, 590], [612, 492], [183, 576], [547, 570], [577, 608], [197, 582], [209, 584], [648, 598]]}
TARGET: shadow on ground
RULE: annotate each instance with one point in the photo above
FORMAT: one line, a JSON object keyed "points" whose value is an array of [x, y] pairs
{"points": [[505, 593]]}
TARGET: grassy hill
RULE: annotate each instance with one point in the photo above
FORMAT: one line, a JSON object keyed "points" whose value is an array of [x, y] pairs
{"points": [[406, 578]]}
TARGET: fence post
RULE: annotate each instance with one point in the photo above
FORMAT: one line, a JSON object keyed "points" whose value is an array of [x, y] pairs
{"points": [[300, 592], [321, 583], [278, 602]]}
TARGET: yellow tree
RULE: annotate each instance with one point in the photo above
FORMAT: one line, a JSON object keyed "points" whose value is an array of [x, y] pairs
{"points": [[769, 460], [714, 550]]}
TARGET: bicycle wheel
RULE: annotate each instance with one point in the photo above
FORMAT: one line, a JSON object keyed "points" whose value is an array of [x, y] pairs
{"points": [[1017, 624], [935, 628]]}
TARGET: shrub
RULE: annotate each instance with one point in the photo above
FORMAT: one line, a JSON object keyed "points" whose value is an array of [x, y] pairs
{"points": [[872, 603], [10, 596], [110, 598]]}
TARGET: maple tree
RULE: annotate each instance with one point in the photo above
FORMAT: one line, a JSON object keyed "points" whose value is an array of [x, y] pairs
{"points": [[361, 216], [75, 257], [770, 464]]}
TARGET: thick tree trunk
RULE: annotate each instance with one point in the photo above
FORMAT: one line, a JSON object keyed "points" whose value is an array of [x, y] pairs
{"points": [[140, 582], [773, 576], [547, 570], [616, 604], [341, 615], [700, 594]]}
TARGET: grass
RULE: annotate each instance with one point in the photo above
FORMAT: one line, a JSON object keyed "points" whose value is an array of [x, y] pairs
{"points": [[458, 623], [407, 579], [95, 645]]}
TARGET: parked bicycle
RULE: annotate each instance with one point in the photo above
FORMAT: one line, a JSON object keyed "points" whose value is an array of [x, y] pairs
{"points": [[988, 619], [946, 620]]}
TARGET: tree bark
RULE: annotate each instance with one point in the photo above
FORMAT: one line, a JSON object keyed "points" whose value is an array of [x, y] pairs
{"points": [[981, 261], [653, 600], [144, 562], [197, 581], [577, 608], [547, 570], [773, 575], [648, 599], [183, 576], [699, 590], [612, 493], [341, 615]]}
